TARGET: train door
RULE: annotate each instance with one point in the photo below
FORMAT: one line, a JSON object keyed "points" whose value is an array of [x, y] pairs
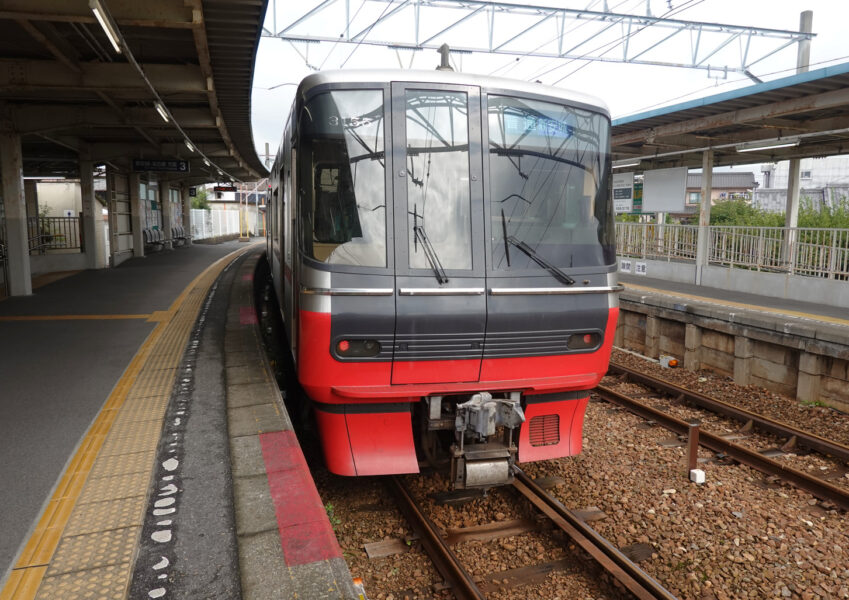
{"points": [[440, 303]]}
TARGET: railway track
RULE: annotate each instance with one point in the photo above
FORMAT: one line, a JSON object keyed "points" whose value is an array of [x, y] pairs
{"points": [[719, 444], [465, 587], [750, 420]]}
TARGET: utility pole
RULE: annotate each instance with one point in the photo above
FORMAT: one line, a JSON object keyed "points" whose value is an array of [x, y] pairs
{"points": [[791, 214]]}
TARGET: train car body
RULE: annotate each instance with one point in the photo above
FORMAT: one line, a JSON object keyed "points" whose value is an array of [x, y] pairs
{"points": [[442, 248]]}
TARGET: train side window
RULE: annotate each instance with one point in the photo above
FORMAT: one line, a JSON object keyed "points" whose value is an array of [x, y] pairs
{"points": [[341, 185]]}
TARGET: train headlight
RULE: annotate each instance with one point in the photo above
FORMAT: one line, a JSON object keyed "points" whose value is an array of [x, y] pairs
{"points": [[583, 341], [357, 348]]}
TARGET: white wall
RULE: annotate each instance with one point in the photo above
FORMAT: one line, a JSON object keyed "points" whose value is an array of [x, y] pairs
{"points": [[59, 196]]}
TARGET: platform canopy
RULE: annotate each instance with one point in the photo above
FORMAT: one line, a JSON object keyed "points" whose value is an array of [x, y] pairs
{"points": [[71, 92], [800, 116]]}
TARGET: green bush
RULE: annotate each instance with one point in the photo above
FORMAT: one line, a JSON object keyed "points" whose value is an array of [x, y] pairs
{"points": [[740, 212], [832, 217]]}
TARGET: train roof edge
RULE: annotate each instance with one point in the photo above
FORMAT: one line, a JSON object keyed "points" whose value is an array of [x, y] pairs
{"points": [[423, 76]]}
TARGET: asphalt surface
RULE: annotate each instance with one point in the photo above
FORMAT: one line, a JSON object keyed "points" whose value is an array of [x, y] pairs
{"points": [[55, 375]]}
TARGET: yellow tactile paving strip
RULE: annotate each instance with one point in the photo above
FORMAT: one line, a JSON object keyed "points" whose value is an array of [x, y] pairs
{"points": [[84, 543], [721, 302]]}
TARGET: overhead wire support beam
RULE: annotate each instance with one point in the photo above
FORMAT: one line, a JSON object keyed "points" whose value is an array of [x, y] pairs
{"points": [[517, 29]]}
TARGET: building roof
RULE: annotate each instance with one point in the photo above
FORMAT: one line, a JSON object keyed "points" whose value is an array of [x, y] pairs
{"points": [[809, 109], [724, 180], [68, 92]]}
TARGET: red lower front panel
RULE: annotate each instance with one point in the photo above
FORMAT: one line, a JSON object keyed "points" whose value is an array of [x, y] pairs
{"points": [[552, 429], [367, 443], [364, 441], [330, 381]]}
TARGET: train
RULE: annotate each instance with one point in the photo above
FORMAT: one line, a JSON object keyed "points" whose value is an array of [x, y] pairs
{"points": [[441, 245]]}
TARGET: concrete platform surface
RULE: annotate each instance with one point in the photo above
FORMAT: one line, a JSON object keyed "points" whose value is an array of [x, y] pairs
{"points": [[733, 299], [148, 450]]}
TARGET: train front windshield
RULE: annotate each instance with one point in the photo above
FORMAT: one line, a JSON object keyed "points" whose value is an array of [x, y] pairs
{"points": [[548, 185]]}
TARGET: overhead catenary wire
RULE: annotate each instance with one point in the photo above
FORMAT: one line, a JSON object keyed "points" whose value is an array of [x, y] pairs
{"points": [[732, 81], [616, 43], [365, 34], [347, 27], [573, 29], [514, 62]]}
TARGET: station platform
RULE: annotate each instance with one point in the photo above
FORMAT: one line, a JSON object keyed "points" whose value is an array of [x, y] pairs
{"points": [[733, 300], [147, 451]]}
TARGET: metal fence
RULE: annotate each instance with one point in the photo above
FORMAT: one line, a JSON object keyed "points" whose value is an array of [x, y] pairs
{"points": [[53, 234], [214, 223], [657, 242], [800, 251]]}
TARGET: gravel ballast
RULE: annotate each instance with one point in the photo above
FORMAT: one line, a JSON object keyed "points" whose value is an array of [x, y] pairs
{"points": [[739, 535]]}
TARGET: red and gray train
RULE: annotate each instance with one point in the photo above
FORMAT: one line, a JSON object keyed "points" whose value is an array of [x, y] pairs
{"points": [[442, 248]]}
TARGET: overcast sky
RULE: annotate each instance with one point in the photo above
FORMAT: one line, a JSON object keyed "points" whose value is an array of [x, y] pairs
{"points": [[626, 89]]}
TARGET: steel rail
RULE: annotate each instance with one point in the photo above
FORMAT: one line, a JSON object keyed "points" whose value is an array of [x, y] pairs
{"points": [[803, 438], [463, 585], [611, 559], [817, 487]]}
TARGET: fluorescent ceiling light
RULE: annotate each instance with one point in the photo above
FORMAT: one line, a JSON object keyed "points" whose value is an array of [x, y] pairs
{"points": [[757, 146], [160, 108], [189, 146], [623, 164], [206, 162], [105, 21]]}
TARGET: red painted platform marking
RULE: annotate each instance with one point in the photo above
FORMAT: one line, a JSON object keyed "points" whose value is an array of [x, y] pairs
{"points": [[248, 277], [247, 315], [305, 532]]}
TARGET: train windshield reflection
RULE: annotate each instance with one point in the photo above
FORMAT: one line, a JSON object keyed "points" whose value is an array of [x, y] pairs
{"points": [[342, 186], [548, 184]]}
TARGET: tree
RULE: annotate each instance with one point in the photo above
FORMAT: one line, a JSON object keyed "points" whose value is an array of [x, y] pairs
{"points": [[201, 201]]}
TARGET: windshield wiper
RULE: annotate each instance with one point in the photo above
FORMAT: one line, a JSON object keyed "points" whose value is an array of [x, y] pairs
{"points": [[555, 272], [430, 253], [504, 234]]}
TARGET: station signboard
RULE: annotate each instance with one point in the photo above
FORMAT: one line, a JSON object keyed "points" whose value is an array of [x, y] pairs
{"points": [[664, 190], [623, 192], [162, 165]]}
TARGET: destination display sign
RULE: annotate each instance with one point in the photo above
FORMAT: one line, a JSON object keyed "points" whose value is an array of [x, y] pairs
{"points": [[166, 165], [224, 188]]}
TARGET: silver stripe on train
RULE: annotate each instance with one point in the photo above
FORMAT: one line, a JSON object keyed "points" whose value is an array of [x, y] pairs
{"points": [[314, 279], [558, 291], [347, 291], [613, 281], [441, 292]]}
